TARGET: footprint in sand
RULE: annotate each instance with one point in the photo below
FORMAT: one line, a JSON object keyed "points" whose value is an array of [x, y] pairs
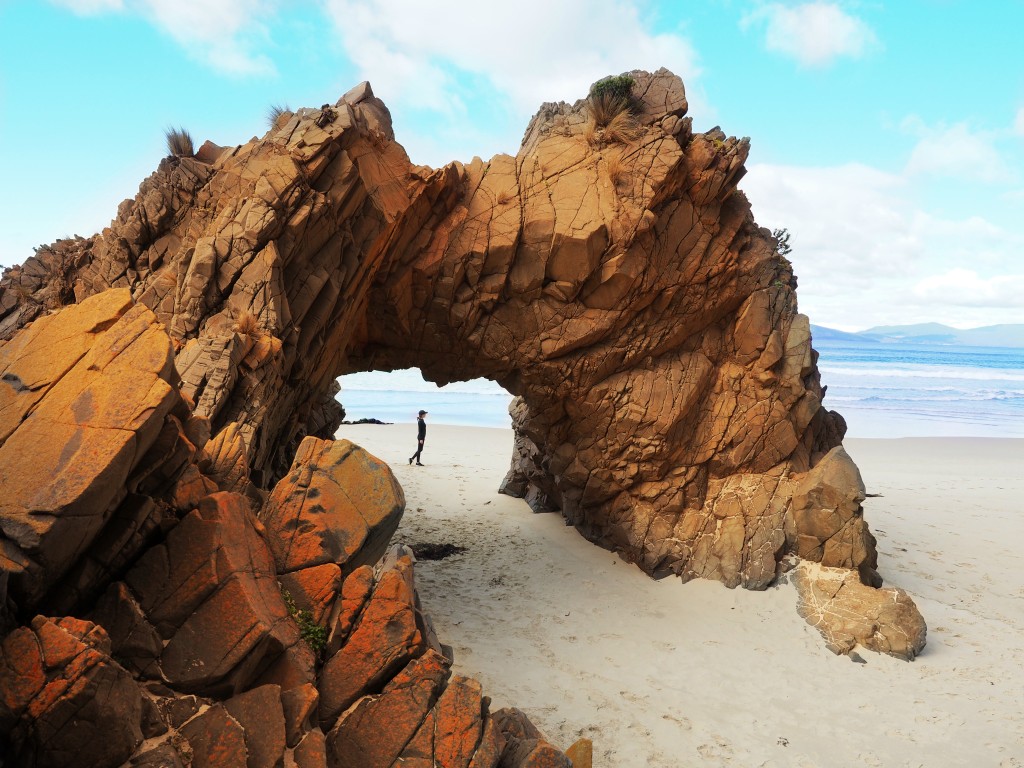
{"points": [[720, 751], [870, 760], [682, 722], [896, 733], [637, 726], [944, 719]]}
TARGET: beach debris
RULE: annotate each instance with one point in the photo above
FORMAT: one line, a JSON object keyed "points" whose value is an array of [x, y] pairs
{"points": [[429, 550]]}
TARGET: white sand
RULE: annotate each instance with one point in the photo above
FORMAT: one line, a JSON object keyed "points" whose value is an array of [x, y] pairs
{"points": [[664, 674]]}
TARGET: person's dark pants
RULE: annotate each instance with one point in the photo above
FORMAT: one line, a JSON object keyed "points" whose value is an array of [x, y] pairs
{"points": [[419, 450]]}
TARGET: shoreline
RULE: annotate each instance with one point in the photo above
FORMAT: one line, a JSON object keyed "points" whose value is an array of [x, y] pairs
{"points": [[661, 674]]}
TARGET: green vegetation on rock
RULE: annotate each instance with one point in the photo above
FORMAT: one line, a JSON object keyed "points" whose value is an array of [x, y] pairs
{"points": [[314, 635]]}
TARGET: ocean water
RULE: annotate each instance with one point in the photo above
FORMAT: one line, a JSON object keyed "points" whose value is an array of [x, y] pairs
{"points": [[919, 390], [882, 390], [398, 396]]}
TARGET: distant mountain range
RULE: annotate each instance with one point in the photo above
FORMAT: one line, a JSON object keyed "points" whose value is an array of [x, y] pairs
{"points": [[1006, 335]]}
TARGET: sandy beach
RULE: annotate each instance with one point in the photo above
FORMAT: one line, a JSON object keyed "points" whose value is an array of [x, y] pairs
{"points": [[662, 674]]}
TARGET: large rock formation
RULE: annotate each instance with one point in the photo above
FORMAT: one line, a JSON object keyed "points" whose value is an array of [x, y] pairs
{"points": [[185, 556], [615, 280], [91, 430], [212, 624]]}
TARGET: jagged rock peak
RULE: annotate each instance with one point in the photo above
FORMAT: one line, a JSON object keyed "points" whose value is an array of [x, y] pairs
{"points": [[655, 97]]}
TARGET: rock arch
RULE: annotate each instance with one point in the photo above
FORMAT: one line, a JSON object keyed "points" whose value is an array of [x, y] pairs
{"points": [[669, 406]]}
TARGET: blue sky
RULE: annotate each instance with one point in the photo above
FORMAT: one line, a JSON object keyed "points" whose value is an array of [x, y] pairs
{"points": [[887, 136]]}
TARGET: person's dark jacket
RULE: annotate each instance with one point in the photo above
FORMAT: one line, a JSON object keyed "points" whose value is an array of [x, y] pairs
{"points": [[423, 428]]}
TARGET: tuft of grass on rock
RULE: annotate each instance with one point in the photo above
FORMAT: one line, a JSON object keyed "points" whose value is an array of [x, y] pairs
{"points": [[275, 112], [612, 109], [247, 324], [616, 170], [619, 88], [179, 142], [605, 107], [621, 129]]}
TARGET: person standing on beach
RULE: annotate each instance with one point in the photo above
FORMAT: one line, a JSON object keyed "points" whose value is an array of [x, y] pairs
{"points": [[421, 435]]}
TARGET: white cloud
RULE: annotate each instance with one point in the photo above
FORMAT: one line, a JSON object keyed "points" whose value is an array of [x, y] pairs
{"points": [[523, 49], [955, 151], [812, 33], [851, 219], [866, 252], [1018, 123], [226, 34], [965, 288], [444, 59], [516, 55]]}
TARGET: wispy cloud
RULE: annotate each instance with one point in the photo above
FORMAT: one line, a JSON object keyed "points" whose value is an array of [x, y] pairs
{"points": [[815, 34], [506, 58], [226, 34], [522, 49], [867, 251], [851, 221], [90, 7], [467, 75], [956, 150], [1018, 123]]}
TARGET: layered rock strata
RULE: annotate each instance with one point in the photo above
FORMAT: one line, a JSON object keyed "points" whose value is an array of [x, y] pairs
{"points": [[211, 624], [615, 280]]}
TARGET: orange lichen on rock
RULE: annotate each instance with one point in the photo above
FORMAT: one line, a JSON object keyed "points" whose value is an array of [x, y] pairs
{"points": [[167, 467]]}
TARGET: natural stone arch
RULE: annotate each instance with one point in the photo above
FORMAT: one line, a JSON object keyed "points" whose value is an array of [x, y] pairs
{"points": [[671, 406]]}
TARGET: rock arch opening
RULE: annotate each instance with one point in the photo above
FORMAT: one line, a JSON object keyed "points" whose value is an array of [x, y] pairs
{"points": [[397, 396], [671, 406]]}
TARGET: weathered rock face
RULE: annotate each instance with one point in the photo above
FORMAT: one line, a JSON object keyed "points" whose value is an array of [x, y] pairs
{"points": [[669, 406], [63, 700], [210, 591], [91, 430], [848, 614], [202, 646], [336, 505], [166, 474]]}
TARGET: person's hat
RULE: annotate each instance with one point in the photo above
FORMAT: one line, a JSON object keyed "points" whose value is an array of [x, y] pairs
{"points": [[423, 413]]}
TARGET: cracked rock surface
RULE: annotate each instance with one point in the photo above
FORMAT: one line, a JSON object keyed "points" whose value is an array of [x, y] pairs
{"points": [[847, 613], [189, 560], [235, 628], [668, 405]]}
